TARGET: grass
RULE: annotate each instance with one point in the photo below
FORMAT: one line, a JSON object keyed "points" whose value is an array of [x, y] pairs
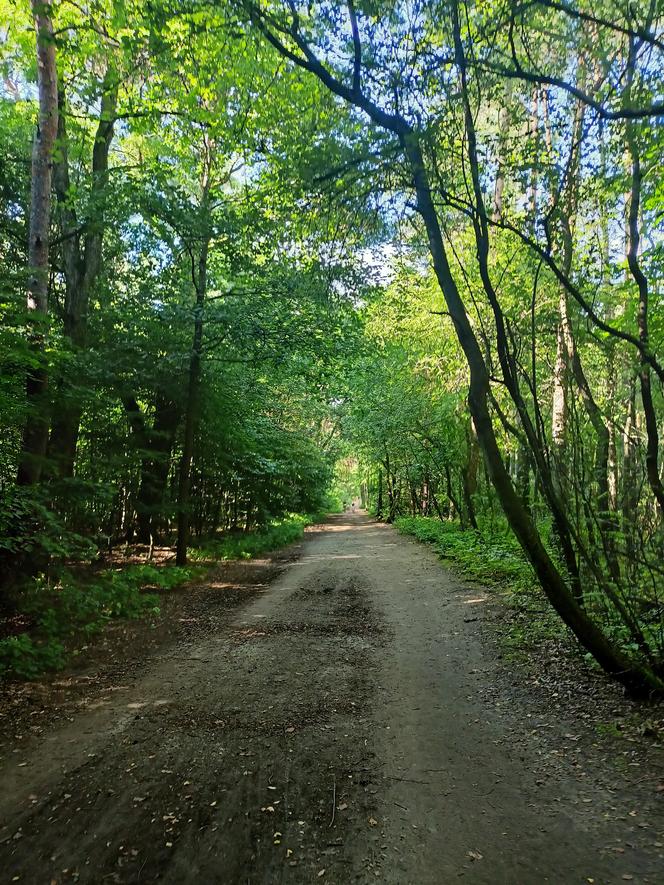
{"points": [[492, 559]]}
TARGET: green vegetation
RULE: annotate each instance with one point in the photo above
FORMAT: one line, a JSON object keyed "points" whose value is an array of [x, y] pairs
{"points": [[492, 558], [277, 534], [75, 609]]}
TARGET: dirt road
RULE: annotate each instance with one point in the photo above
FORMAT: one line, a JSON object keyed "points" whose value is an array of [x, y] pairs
{"points": [[346, 725]]}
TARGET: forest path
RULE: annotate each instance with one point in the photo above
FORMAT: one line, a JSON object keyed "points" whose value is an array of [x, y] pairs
{"points": [[347, 725]]}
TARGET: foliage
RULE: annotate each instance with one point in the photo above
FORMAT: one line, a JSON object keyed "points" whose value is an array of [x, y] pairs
{"points": [[427, 245], [76, 609], [247, 545]]}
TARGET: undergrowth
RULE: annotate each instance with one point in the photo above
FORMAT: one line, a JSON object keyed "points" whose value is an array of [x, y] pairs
{"points": [[493, 558], [75, 608], [57, 616], [247, 545], [488, 559]]}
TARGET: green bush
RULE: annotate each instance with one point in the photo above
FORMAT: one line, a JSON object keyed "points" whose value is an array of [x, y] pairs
{"points": [[80, 608], [22, 656], [30, 527], [76, 607], [279, 533]]}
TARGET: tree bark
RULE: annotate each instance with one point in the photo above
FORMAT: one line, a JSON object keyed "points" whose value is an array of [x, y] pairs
{"points": [[155, 468], [191, 415], [652, 436], [469, 474], [82, 261], [193, 387], [35, 432], [379, 502]]}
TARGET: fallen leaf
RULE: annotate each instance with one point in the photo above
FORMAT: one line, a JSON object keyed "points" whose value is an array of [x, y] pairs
{"points": [[373, 822]]}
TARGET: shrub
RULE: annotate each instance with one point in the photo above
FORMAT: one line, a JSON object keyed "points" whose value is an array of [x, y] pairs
{"points": [[79, 608], [279, 533]]}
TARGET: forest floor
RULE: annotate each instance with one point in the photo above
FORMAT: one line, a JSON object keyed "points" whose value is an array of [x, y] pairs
{"points": [[338, 713]]}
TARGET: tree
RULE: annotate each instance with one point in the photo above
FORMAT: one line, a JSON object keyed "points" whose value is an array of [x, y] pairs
{"points": [[35, 432]]}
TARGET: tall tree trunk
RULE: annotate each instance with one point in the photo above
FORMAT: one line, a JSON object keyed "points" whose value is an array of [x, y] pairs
{"points": [[155, 468], [503, 133], [379, 502], [391, 492], [455, 507], [469, 473], [192, 412], [630, 486], [568, 358], [35, 432], [523, 473], [192, 409], [424, 496], [634, 234], [82, 260], [559, 409]]}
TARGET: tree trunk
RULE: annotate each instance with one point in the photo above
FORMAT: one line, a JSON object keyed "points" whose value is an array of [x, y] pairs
{"points": [[192, 412], [379, 502], [35, 432], [193, 387], [456, 507], [82, 260], [469, 474], [652, 436], [523, 474], [391, 494], [630, 484], [155, 467], [559, 410]]}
